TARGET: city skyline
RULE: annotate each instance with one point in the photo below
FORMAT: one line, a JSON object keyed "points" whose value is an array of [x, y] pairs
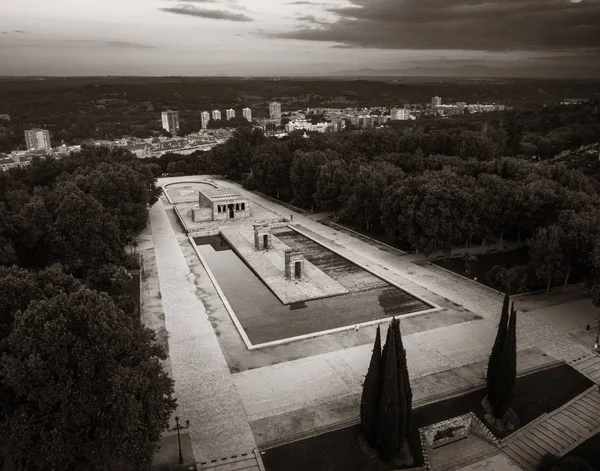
{"points": [[240, 37]]}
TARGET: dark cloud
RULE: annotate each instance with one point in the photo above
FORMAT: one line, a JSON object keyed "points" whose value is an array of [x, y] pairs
{"points": [[312, 19], [191, 10], [20, 31], [491, 25], [302, 3]]}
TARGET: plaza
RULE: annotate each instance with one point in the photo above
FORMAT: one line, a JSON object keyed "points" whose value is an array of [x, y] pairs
{"points": [[305, 383]]}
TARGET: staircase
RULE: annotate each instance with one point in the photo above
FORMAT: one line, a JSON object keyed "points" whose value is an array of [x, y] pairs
{"points": [[456, 455], [588, 366], [245, 462], [556, 432]]}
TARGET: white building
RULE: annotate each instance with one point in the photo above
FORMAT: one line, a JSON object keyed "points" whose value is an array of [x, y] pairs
{"points": [[229, 114], [37, 139], [304, 125], [436, 101], [170, 121], [275, 110], [247, 113], [399, 114], [216, 115], [204, 119]]}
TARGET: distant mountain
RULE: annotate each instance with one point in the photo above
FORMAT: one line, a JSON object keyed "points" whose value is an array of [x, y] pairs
{"points": [[479, 71]]}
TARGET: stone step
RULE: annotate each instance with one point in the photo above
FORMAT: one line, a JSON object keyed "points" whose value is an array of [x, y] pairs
{"points": [[460, 454], [556, 432]]}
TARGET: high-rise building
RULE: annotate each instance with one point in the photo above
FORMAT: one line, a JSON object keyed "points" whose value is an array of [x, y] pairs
{"points": [[229, 114], [247, 113], [37, 139], [399, 114], [204, 119], [436, 101], [275, 110], [216, 115], [170, 121]]}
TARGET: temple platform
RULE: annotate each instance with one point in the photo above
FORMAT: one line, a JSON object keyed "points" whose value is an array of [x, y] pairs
{"points": [[269, 265]]}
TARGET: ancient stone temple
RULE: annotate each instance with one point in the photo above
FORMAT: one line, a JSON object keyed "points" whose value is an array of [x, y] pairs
{"points": [[220, 204], [262, 237], [294, 264]]}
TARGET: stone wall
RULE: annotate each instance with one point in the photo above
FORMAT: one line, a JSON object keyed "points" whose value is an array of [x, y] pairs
{"points": [[447, 430], [451, 429]]}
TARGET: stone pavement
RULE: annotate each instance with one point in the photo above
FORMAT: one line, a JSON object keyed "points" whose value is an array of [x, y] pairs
{"points": [[203, 386], [268, 393], [497, 462], [282, 416]]}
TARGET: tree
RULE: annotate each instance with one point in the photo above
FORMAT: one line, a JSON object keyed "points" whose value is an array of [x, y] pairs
{"points": [[331, 183], [404, 389], [497, 349], [271, 167], [546, 251], [90, 392], [389, 418], [506, 370], [84, 234], [365, 192], [369, 405], [469, 260], [304, 174], [122, 191]]}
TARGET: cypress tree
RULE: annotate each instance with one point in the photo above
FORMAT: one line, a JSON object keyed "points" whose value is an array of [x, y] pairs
{"points": [[506, 370], [497, 349], [403, 379], [369, 406], [388, 420]]}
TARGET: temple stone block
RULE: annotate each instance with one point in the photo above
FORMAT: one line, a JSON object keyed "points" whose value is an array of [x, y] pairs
{"points": [[294, 264], [262, 237]]}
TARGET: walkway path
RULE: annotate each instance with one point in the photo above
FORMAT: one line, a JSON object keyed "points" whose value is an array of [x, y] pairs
{"points": [[203, 385], [557, 432], [589, 366], [267, 396]]}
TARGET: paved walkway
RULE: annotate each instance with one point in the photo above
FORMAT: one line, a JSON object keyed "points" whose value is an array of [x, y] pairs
{"points": [[497, 462], [203, 386], [557, 432], [330, 380], [286, 417]]}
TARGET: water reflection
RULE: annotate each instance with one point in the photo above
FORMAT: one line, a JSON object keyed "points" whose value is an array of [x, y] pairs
{"points": [[266, 319]]}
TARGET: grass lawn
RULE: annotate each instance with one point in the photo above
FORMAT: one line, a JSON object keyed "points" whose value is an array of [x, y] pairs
{"points": [[535, 395], [509, 259], [588, 450]]}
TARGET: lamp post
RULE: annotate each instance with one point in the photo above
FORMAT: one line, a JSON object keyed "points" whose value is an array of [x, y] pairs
{"points": [[178, 428], [597, 334]]}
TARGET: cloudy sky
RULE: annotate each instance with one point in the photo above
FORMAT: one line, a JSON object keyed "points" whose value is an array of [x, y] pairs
{"points": [[294, 37]]}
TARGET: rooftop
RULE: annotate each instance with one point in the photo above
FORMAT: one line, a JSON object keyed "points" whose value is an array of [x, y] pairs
{"points": [[219, 194]]}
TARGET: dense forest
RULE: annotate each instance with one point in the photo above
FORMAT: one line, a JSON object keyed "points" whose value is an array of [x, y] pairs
{"points": [[81, 380], [438, 184], [75, 109]]}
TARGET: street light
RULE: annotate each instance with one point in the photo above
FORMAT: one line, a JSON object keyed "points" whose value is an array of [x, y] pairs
{"points": [[178, 428]]}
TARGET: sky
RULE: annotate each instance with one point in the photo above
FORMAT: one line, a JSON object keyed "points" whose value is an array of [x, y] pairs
{"points": [[296, 37]]}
